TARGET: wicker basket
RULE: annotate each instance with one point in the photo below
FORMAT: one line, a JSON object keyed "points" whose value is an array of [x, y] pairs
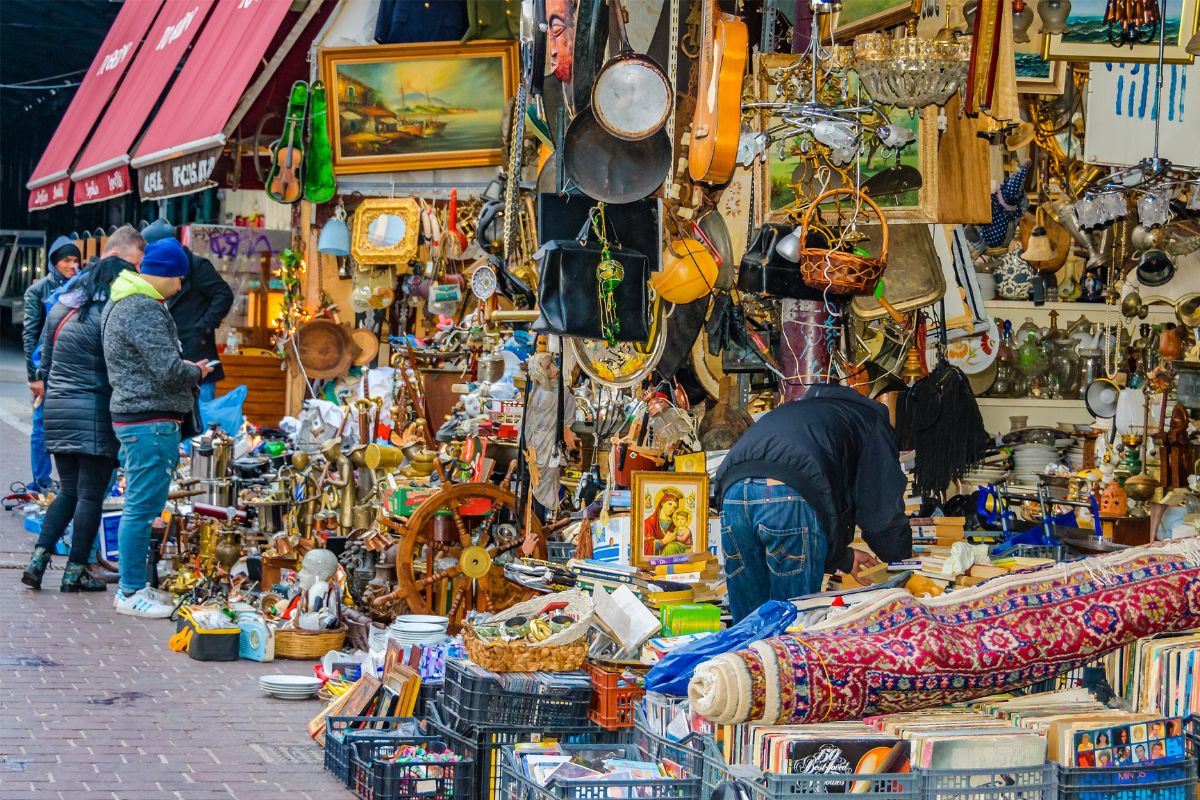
{"points": [[835, 270], [522, 657], [561, 652], [307, 645]]}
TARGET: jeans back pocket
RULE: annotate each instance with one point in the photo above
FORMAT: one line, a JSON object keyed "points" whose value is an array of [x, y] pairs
{"points": [[787, 551]]}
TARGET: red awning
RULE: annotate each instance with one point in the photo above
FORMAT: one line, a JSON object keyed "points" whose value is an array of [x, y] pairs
{"points": [[103, 169], [48, 184], [217, 72]]}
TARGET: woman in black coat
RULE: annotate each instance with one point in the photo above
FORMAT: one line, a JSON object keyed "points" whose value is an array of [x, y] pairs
{"points": [[79, 432]]}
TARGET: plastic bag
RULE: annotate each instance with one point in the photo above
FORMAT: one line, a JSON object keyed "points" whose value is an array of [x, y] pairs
{"points": [[225, 410], [672, 674]]}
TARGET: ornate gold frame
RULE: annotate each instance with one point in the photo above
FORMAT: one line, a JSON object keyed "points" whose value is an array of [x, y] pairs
{"points": [[370, 210]]}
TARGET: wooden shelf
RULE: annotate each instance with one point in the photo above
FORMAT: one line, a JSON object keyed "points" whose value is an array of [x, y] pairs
{"points": [[1029, 402], [1071, 311]]}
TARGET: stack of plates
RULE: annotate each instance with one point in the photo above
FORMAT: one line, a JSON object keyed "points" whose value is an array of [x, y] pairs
{"points": [[290, 687], [983, 475], [1074, 455], [1031, 460], [418, 629]]}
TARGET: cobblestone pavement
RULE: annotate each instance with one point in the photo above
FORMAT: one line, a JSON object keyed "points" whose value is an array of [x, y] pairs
{"points": [[95, 706]]}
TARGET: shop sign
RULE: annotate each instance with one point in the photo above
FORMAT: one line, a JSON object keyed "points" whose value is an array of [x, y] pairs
{"points": [[179, 175], [49, 195], [103, 185]]}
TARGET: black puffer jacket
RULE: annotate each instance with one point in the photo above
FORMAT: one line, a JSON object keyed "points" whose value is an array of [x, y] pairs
{"points": [[77, 389]]}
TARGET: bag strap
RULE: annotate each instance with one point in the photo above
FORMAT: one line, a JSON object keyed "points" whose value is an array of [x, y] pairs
{"points": [[57, 330]]}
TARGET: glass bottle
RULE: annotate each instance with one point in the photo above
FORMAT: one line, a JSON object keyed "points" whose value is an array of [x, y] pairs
{"points": [[1005, 384]]}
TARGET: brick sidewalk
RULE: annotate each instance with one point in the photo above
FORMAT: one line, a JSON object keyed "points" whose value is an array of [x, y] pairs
{"points": [[94, 705]]}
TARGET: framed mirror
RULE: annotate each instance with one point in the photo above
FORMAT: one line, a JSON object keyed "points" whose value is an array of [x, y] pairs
{"points": [[385, 231]]}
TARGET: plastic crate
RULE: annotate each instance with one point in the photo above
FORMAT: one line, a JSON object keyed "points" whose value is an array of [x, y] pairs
{"points": [[613, 699], [999, 783], [1134, 782], [374, 776], [484, 745], [515, 786], [780, 786], [560, 552], [429, 694], [472, 700], [342, 732]]}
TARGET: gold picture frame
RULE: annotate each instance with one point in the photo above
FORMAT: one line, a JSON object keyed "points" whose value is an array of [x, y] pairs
{"points": [[1185, 18], [866, 16], [775, 201], [436, 105], [386, 230], [681, 500]]}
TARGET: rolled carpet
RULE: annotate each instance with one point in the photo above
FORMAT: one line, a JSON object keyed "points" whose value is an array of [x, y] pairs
{"points": [[898, 653]]}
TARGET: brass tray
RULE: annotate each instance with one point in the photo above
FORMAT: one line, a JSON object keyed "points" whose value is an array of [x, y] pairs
{"points": [[913, 278]]}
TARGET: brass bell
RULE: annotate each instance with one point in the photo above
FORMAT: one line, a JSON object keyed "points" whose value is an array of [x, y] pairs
{"points": [[1132, 306]]}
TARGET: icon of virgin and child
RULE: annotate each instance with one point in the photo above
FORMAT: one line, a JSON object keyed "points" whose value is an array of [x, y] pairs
{"points": [[667, 531]]}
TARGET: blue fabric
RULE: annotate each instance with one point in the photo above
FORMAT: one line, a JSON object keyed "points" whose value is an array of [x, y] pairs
{"points": [[149, 454], [39, 459], [672, 674], [773, 543]]}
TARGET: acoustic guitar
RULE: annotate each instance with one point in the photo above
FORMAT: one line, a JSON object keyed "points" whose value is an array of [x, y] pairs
{"points": [[285, 179], [717, 123]]}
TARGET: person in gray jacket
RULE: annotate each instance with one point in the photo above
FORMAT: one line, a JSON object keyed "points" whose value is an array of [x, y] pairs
{"points": [[153, 391], [63, 265]]}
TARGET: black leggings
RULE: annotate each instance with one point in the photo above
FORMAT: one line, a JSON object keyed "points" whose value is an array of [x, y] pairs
{"points": [[84, 480]]}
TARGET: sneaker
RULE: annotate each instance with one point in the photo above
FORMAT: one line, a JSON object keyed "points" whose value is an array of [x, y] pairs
{"points": [[146, 603]]}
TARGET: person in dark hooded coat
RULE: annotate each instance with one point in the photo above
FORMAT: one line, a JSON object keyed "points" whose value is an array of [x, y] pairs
{"points": [[78, 426]]}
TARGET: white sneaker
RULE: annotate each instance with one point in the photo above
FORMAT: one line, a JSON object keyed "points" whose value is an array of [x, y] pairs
{"points": [[146, 603]]}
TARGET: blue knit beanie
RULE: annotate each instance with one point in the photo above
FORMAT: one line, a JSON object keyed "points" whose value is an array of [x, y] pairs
{"points": [[165, 259]]}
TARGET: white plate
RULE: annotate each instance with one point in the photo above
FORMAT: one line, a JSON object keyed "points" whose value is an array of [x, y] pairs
{"points": [[291, 682], [426, 618]]}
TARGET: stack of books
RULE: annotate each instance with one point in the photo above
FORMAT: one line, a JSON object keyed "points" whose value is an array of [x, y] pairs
{"points": [[943, 531], [681, 582]]}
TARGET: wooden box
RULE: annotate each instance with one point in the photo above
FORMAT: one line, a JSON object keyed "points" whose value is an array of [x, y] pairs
{"points": [[266, 381]]}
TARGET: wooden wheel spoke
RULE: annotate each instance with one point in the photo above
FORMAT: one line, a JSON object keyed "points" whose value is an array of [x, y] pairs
{"points": [[446, 574], [464, 535], [485, 598], [456, 605]]}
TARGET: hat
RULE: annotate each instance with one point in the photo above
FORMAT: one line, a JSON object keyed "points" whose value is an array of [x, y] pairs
{"points": [[65, 250], [159, 229], [165, 258]]}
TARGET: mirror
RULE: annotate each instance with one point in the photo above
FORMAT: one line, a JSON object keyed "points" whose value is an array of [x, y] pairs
{"points": [[385, 231]]}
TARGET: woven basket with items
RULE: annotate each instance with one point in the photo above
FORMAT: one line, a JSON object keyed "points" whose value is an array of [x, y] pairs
{"points": [[834, 269], [546, 633]]}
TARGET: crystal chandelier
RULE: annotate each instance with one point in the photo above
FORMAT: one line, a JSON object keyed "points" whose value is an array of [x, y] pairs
{"points": [[910, 72]]}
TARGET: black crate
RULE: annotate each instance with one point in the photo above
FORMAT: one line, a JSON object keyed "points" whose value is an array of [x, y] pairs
{"points": [[515, 786], [993, 783], [375, 776], [342, 732], [1134, 782], [472, 700], [484, 744], [429, 695]]}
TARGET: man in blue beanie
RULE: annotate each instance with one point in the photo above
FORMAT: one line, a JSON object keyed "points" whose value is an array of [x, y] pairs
{"points": [[63, 264], [198, 308], [153, 392]]}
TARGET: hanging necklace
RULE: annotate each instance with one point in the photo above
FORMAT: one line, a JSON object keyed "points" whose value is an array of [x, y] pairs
{"points": [[609, 274]]}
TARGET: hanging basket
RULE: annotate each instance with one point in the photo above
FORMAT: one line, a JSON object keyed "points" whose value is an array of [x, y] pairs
{"points": [[837, 271]]}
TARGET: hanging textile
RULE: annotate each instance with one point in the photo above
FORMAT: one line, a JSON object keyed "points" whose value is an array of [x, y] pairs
{"points": [[898, 653]]}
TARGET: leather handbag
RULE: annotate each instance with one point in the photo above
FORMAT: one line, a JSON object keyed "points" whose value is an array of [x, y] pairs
{"points": [[569, 289], [763, 271]]}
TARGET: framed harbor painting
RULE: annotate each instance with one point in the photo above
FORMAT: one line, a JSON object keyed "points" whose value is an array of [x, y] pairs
{"points": [[418, 106], [1086, 37]]}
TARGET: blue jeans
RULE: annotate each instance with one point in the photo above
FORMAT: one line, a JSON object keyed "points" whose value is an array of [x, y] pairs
{"points": [[149, 454], [39, 459], [208, 392], [773, 542]]}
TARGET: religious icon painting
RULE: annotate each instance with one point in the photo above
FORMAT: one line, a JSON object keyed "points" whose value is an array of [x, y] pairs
{"points": [[669, 515]]}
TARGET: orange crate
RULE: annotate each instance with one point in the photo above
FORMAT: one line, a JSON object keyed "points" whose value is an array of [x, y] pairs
{"points": [[613, 698]]}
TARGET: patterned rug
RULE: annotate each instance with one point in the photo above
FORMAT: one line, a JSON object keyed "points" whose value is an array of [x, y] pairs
{"points": [[898, 653]]}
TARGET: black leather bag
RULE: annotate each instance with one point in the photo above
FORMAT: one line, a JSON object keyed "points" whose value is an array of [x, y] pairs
{"points": [[568, 290], [763, 271]]}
